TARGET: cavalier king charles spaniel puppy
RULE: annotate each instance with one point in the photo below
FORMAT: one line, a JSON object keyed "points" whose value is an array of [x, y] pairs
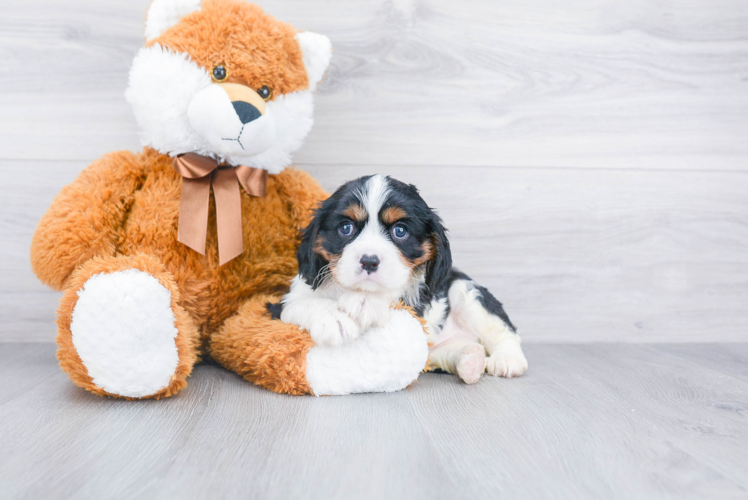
{"points": [[375, 243]]}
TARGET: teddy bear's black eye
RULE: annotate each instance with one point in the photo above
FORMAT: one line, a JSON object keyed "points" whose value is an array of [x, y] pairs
{"points": [[265, 92], [220, 73]]}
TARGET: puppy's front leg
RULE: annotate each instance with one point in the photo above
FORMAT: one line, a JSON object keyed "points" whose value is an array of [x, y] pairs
{"points": [[318, 315], [322, 319], [367, 309]]}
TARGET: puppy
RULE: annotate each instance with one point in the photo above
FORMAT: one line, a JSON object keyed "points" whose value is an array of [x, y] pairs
{"points": [[375, 242]]}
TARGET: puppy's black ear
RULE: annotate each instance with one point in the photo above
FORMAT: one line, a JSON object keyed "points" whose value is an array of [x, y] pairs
{"points": [[310, 262], [440, 265]]}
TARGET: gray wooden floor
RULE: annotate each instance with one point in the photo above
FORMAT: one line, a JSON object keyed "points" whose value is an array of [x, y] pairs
{"points": [[587, 421]]}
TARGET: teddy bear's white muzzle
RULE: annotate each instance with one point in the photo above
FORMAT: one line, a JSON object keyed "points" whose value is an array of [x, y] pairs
{"points": [[232, 126]]}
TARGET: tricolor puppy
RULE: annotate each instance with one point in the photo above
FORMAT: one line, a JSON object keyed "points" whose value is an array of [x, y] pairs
{"points": [[375, 242]]}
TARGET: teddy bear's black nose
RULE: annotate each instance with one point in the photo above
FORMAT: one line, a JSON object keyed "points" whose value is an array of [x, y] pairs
{"points": [[245, 111]]}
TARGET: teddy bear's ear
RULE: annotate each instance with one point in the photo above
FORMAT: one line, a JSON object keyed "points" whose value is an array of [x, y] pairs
{"points": [[317, 51], [163, 14]]}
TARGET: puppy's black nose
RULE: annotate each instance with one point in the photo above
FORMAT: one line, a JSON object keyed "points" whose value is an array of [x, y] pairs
{"points": [[370, 263], [245, 111]]}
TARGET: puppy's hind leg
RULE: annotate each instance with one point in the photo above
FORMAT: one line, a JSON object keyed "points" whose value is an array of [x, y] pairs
{"points": [[467, 360], [476, 310]]}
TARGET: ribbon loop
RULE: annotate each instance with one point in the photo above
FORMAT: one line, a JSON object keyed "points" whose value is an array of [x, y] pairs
{"points": [[200, 173]]}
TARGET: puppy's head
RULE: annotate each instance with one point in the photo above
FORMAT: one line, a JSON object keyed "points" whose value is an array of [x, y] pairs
{"points": [[375, 234]]}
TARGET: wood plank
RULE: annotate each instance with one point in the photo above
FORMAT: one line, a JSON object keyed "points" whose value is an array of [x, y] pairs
{"points": [[617, 420], [593, 421], [278, 441], [729, 358], [576, 255], [588, 83], [26, 366]]}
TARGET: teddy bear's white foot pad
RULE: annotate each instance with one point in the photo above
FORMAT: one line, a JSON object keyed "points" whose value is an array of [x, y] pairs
{"points": [[124, 331], [381, 360]]}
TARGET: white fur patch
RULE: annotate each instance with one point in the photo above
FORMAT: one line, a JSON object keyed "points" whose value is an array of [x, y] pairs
{"points": [[163, 14], [123, 330], [367, 309], [161, 87], [317, 313], [373, 197], [382, 360], [316, 53], [435, 316]]}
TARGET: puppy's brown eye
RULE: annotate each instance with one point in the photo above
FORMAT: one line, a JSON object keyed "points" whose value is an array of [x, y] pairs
{"points": [[265, 92], [220, 73]]}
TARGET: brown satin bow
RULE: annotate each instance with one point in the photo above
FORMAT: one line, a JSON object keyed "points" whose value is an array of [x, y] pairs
{"points": [[199, 173]]}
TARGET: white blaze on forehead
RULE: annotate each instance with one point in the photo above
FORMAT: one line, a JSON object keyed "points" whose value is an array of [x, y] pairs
{"points": [[373, 196]]}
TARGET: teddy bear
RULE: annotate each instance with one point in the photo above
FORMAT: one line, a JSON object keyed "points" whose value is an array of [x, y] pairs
{"points": [[170, 256]]}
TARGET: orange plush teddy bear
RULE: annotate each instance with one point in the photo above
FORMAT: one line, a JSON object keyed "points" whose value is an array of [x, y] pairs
{"points": [[172, 254]]}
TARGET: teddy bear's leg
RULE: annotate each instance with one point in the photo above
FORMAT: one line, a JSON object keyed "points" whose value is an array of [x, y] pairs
{"points": [[383, 359], [266, 352], [283, 358], [121, 331]]}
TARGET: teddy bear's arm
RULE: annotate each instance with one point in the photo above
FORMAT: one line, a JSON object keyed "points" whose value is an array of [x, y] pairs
{"points": [[84, 218]]}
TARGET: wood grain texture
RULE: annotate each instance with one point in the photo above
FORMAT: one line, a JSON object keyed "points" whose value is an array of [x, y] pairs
{"points": [[586, 83], [576, 255], [592, 421]]}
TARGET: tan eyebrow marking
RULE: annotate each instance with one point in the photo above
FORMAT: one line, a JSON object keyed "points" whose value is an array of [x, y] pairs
{"points": [[393, 214], [320, 250], [428, 253], [356, 212]]}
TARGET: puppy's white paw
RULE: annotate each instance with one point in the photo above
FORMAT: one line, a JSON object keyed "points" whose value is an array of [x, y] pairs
{"points": [[507, 361], [471, 363], [367, 309], [333, 328]]}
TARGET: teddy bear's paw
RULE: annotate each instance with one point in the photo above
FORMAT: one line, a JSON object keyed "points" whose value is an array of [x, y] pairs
{"points": [[507, 360], [123, 329], [382, 360], [333, 328]]}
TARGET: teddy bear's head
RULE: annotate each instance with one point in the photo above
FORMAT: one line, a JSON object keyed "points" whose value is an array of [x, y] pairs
{"points": [[221, 78]]}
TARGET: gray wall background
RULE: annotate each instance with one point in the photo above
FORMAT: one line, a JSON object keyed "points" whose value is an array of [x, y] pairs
{"points": [[589, 157]]}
